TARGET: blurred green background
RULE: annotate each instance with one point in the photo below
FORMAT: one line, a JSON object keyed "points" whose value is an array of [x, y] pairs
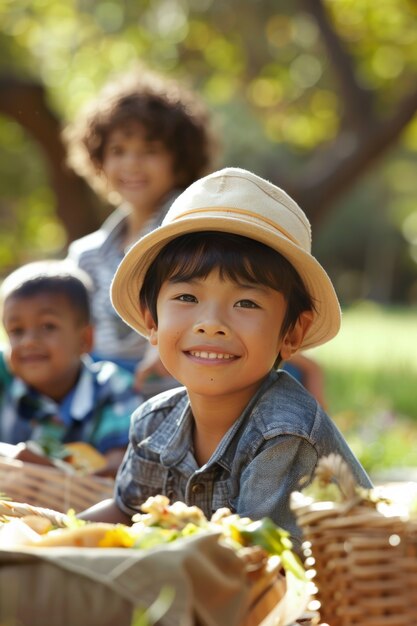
{"points": [[319, 96]]}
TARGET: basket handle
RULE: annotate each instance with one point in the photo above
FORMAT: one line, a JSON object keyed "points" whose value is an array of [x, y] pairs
{"points": [[19, 509], [333, 469]]}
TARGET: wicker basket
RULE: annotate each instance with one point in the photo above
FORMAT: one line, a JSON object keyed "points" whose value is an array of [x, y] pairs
{"points": [[43, 486], [363, 561], [21, 509]]}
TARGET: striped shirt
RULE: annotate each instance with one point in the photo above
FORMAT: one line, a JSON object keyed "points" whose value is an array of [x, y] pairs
{"points": [[99, 254]]}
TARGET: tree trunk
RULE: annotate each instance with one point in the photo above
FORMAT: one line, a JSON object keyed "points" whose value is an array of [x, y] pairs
{"points": [[76, 204]]}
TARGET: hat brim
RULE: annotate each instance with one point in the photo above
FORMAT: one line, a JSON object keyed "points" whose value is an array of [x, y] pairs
{"points": [[129, 277]]}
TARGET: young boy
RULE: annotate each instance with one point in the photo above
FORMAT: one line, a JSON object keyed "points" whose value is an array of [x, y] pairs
{"points": [[142, 141], [50, 390], [226, 288]]}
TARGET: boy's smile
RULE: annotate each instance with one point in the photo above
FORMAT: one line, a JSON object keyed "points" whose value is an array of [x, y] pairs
{"points": [[219, 337], [202, 354]]}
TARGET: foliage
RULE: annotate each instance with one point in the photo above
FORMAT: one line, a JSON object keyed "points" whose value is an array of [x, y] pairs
{"points": [[274, 72], [27, 202], [370, 375]]}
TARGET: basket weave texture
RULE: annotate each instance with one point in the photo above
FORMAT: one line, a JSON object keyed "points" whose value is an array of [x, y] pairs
{"points": [[363, 562], [43, 486]]}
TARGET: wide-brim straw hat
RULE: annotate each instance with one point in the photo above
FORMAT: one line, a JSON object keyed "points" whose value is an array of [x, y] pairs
{"points": [[236, 201]]}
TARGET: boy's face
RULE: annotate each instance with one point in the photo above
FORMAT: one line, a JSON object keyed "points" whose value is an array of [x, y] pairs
{"points": [[139, 169], [46, 341], [220, 338]]}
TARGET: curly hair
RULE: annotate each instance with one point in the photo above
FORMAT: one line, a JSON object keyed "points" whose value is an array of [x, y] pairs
{"points": [[167, 110]]}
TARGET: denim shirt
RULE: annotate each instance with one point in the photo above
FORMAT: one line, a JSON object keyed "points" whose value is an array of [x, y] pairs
{"points": [[271, 450]]}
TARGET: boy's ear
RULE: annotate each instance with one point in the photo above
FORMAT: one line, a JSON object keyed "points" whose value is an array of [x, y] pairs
{"points": [[151, 327], [295, 335], [86, 339]]}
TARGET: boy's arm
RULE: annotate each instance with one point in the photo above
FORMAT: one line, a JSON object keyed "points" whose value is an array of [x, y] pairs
{"points": [[286, 465], [105, 511], [269, 479]]}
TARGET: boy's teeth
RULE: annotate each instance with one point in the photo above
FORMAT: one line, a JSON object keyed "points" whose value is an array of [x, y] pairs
{"points": [[211, 355]]}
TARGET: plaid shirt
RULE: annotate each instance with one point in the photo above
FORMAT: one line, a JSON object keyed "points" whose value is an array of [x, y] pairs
{"points": [[97, 410]]}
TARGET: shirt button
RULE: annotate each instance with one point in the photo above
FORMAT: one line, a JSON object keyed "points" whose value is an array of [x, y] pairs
{"points": [[197, 488]]}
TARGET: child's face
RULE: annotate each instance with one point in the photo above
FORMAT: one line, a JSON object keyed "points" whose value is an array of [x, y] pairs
{"points": [[46, 341], [217, 337], [139, 169]]}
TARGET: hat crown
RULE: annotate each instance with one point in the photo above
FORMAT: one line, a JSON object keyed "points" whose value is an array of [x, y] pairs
{"points": [[243, 195]]}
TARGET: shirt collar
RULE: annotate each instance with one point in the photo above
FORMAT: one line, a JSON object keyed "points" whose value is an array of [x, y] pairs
{"points": [[80, 400], [173, 439], [76, 405], [113, 227], [115, 224]]}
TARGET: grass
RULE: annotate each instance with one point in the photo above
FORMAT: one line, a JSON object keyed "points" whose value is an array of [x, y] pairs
{"points": [[371, 375]]}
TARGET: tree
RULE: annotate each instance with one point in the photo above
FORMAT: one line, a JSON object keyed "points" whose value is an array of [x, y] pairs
{"points": [[75, 202], [319, 88], [365, 133]]}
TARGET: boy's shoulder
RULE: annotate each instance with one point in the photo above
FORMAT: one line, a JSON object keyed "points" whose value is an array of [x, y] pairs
{"points": [[108, 373], [98, 238], [160, 418], [88, 242], [284, 406], [104, 388], [163, 404]]}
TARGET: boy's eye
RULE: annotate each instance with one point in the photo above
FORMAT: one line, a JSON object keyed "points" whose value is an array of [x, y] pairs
{"points": [[14, 332], [246, 304], [49, 326], [115, 150], [186, 297]]}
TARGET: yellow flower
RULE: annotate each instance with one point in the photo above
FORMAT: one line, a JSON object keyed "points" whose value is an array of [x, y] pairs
{"points": [[118, 537]]}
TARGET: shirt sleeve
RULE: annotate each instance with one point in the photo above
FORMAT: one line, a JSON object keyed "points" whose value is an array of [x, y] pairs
{"points": [[141, 474], [138, 478], [268, 481]]}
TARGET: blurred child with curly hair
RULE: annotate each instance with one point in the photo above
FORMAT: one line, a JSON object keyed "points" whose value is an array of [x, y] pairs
{"points": [[141, 142]]}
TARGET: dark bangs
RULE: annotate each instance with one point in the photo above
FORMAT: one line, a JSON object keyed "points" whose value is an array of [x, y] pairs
{"points": [[70, 287], [239, 259]]}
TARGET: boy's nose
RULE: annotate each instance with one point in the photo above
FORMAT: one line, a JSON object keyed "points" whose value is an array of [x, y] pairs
{"points": [[210, 327], [134, 158], [29, 336]]}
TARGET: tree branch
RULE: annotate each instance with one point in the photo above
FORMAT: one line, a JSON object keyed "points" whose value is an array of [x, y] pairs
{"points": [[25, 102], [358, 102], [331, 173]]}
